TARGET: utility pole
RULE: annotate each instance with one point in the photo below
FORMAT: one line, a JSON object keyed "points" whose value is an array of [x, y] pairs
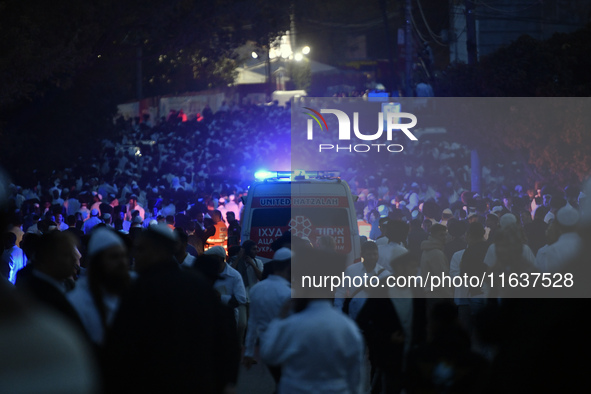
{"points": [[390, 83], [269, 75], [408, 49], [471, 48], [292, 27], [470, 32], [138, 72]]}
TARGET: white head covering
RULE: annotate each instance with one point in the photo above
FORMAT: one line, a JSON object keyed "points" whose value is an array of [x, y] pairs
{"points": [[507, 219], [282, 254], [567, 216], [163, 230], [216, 251], [102, 238]]}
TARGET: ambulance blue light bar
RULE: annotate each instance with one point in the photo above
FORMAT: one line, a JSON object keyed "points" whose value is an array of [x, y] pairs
{"points": [[262, 175], [294, 175]]}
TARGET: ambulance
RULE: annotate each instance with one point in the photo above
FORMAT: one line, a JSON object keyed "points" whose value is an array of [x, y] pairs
{"points": [[310, 204]]}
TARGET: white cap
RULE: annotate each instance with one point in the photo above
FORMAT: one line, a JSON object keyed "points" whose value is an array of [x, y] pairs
{"points": [[567, 216], [102, 238], [507, 219], [216, 251], [163, 230], [282, 254]]}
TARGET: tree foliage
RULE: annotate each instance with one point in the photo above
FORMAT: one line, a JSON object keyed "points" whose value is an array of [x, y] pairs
{"points": [[557, 67], [42, 44], [65, 65]]}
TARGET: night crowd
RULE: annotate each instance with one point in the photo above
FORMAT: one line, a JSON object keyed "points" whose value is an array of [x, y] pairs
{"points": [[126, 273]]}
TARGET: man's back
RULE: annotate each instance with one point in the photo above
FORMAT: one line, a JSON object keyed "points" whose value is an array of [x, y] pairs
{"points": [[49, 295], [266, 300], [90, 223], [554, 257], [319, 349], [171, 334], [13, 259]]}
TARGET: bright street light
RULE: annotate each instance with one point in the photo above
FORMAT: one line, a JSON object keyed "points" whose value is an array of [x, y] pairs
{"points": [[254, 55], [298, 57], [306, 50]]}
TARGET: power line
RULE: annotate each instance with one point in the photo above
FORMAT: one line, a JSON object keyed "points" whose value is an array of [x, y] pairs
{"points": [[506, 11], [486, 16], [434, 36], [425, 20], [360, 26], [417, 29]]}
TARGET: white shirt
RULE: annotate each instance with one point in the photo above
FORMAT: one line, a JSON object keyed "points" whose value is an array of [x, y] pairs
{"points": [[553, 258], [138, 208], [252, 276], [168, 210], [231, 284], [267, 298], [189, 261], [413, 201], [356, 270], [549, 217], [90, 223], [85, 212], [81, 299], [233, 207], [390, 252], [33, 229], [460, 293], [491, 255], [320, 350], [73, 206], [382, 241], [16, 259]]}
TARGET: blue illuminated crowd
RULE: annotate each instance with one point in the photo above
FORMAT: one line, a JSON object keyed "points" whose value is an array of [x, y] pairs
{"points": [[115, 278]]}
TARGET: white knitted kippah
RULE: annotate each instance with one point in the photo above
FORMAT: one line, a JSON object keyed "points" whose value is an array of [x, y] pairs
{"points": [[216, 251], [282, 254], [102, 238]]}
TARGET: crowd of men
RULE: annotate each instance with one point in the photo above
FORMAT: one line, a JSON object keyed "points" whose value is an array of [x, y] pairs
{"points": [[115, 280]]}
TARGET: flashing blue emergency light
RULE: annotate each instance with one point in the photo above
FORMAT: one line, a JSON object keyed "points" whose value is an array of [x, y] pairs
{"points": [[294, 175], [263, 174]]}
